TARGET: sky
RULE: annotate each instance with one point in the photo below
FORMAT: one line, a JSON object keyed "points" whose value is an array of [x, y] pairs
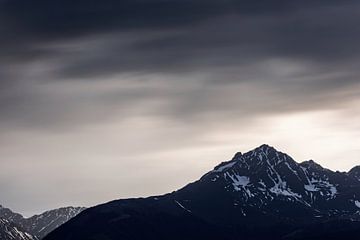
{"points": [[101, 100]]}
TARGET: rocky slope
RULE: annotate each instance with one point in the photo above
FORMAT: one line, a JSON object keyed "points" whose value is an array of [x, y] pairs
{"points": [[10, 231]]}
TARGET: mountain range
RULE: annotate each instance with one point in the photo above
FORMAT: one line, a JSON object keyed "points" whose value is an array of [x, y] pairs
{"points": [[261, 194], [13, 226]]}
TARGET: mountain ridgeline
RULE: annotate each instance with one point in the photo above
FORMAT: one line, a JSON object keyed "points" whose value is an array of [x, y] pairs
{"points": [[13, 226], [262, 194]]}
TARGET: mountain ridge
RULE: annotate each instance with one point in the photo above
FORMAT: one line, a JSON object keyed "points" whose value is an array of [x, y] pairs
{"points": [[39, 225], [263, 192]]}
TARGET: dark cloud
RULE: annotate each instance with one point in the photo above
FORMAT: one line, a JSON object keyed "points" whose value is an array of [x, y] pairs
{"points": [[219, 45], [76, 17], [87, 81], [166, 36]]}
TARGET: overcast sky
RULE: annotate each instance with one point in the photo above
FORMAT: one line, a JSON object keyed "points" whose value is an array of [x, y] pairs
{"points": [[111, 99]]}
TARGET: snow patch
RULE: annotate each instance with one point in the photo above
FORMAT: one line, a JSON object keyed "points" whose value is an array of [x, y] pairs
{"points": [[239, 181], [281, 189], [324, 187], [224, 167], [311, 188]]}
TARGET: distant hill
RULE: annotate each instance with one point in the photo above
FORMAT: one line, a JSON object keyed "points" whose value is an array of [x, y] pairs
{"points": [[35, 227]]}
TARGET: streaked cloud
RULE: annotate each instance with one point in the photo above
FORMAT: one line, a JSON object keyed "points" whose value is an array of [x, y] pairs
{"points": [[92, 92]]}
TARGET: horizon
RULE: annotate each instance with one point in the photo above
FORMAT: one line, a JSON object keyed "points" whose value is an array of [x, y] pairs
{"points": [[103, 100], [160, 194]]}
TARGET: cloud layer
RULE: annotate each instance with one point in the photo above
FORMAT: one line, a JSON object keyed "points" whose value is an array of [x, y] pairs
{"points": [[199, 68]]}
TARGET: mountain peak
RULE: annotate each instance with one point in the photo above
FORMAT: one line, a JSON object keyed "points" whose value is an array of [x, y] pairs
{"points": [[311, 164], [237, 156], [268, 154], [264, 150], [264, 153], [265, 147]]}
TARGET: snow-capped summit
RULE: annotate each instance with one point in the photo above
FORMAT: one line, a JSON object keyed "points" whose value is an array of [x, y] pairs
{"points": [[265, 175], [263, 192]]}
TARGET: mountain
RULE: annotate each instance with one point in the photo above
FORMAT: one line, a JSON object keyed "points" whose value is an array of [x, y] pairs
{"points": [[9, 231], [262, 194], [40, 225]]}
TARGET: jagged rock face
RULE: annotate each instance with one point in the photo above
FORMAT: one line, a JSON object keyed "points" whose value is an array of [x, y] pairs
{"points": [[39, 226], [262, 194], [264, 176], [46, 222], [9, 231]]}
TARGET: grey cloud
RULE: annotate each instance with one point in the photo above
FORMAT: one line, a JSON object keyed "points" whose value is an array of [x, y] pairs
{"points": [[213, 48], [230, 41]]}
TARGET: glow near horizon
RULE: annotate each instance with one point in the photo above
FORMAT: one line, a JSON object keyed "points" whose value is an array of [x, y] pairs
{"points": [[320, 135]]}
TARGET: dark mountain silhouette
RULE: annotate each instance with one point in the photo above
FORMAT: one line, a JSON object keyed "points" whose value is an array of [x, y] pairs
{"points": [[262, 194]]}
